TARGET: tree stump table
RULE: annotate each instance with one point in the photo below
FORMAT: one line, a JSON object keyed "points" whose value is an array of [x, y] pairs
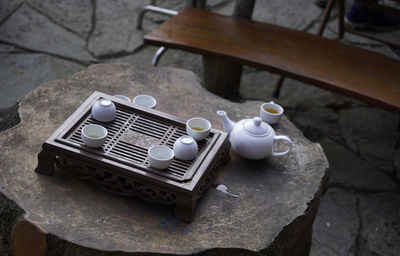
{"points": [[269, 209]]}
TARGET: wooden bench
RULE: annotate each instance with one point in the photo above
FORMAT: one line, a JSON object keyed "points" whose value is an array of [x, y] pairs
{"points": [[329, 64]]}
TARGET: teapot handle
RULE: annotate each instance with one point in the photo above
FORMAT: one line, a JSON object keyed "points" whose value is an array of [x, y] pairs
{"points": [[282, 137]]}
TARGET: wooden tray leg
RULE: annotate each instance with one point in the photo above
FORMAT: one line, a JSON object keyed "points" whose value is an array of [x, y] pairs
{"points": [[46, 162], [185, 209]]}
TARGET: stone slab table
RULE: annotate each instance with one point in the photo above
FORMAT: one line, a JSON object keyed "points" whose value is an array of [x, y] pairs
{"points": [[63, 215]]}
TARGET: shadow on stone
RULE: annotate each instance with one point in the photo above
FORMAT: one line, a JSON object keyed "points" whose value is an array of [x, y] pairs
{"points": [[9, 117]]}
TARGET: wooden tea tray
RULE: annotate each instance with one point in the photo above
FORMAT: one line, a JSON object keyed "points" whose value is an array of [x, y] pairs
{"points": [[120, 166]]}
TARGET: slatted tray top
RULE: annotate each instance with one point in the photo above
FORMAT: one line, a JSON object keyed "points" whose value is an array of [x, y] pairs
{"points": [[129, 137], [132, 133]]}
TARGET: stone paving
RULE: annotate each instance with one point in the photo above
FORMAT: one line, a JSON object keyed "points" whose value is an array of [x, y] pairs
{"points": [[43, 40]]}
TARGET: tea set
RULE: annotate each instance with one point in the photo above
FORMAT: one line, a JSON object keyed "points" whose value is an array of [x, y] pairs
{"points": [[250, 138]]}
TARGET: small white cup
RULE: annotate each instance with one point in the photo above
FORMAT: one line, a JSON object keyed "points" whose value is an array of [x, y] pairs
{"points": [[146, 101], [271, 112], [93, 135], [123, 97], [160, 157], [198, 128], [185, 148], [104, 110]]}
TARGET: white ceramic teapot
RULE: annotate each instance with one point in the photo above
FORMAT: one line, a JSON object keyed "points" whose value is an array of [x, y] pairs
{"points": [[252, 138]]}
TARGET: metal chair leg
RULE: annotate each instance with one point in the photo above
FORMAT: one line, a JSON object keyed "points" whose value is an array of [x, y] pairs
{"points": [[158, 55], [151, 8]]}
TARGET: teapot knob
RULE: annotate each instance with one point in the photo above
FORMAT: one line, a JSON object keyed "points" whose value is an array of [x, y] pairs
{"points": [[257, 121]]}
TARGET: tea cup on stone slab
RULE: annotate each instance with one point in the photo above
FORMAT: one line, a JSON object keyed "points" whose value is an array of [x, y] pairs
{"points": [[198, 128], [271, 112], [93, 135], [160, 157], [104, 110]]}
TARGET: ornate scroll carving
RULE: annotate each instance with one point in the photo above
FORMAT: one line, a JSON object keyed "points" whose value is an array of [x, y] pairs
{"points": [[114, 183], [221, 160]]}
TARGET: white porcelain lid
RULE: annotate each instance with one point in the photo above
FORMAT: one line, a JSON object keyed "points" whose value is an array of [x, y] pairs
{"points": [[257, 127]]}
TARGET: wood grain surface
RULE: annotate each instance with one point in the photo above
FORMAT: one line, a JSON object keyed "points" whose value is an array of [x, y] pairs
{"points": [[359, 73]]}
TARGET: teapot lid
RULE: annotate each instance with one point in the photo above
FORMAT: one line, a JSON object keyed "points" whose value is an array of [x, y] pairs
{"points": [[257, 127]]}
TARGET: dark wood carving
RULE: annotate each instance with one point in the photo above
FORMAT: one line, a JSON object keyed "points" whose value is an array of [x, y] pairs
{"points": [[114, 183], [120, 166]]}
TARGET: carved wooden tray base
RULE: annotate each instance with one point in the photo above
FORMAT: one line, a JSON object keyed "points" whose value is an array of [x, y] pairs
{"points": [[120, 166]]}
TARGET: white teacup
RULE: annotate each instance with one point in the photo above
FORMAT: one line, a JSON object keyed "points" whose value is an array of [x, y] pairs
{"points": [[104, 110], [93, 135], [271, 112], [146, 101], [160, 157], [198, 128], [185, 148], [123, 97]]}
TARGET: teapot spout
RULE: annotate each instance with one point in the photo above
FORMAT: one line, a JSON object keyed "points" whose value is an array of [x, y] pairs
{"points": [[227, 124]]}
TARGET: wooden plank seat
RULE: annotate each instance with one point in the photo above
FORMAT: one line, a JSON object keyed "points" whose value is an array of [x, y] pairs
{"points": [[327, 63]]}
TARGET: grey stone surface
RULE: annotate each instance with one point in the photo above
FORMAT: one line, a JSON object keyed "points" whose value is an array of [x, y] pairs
{"points": [[75, 15], [6, 48], [380, 230], [9, 215], [297, 94], [315, 121], [371, 45], [115, 30], [273, 215], [331, 31], [372, 133], [21, 73], [396, 162], [171, 58], [336, 225], [143, 56], [31, 30], [222, 7], [256, 84], [349, 171], [286, 13], [7, 7], [9, 117], [177, 58]]}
